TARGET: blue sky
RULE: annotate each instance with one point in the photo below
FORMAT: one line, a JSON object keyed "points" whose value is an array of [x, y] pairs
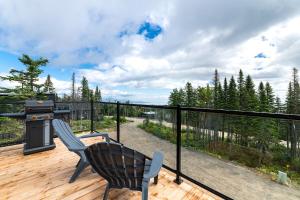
{"points": [[140, 51]]}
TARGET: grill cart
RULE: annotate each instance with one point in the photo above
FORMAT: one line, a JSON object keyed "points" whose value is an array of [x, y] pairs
{"points": [[39, 131]]}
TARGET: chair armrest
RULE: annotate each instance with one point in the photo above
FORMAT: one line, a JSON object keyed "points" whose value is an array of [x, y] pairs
{"points": [[96, 135], [155, 166], [115, 141], [76, 149]]}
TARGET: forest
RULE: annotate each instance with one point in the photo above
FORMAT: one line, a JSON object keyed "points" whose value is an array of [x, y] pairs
{"points": [[267, 144]]}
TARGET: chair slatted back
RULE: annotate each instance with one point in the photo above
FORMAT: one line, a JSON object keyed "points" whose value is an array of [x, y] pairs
{"points": [[65, 133], [120, 166]]}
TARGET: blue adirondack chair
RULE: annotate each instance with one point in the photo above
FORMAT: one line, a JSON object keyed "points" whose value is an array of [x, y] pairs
{"points": [[73, 143], [123, 167]]}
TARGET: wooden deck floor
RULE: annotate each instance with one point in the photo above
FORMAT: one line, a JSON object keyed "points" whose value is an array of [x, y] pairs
{"points": [[45, 175]]}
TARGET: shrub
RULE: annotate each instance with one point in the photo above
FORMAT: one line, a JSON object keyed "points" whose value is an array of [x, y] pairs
{"points": [[295, 165]]}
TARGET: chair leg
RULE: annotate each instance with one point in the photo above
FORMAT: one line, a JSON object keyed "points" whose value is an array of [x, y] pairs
{"points": [[145, 191], [105, 197], [156, 180], [78, 170], [78, 163]]}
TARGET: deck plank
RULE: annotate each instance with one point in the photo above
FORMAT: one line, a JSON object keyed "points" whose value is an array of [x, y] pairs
{"points": [[45, 176]]}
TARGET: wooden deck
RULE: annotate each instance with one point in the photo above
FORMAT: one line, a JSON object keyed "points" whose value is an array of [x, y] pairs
{"points": [[45, 175]]}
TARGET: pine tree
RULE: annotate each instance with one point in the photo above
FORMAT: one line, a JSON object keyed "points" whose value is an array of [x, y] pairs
{"points": [[296, 92], [181, 97], [98, 97], [85, 91], [217, 90], [220, 101], [27, 79], [270, 97], [91, 95], [16, 76], [33, 70], [233, 98], [278, 106], [173, 98], [48, 85], [190, 99], [241, 90], [209, 96], [293, 96], [262, 97], [250, 95], [289, 99], [225, 94]]}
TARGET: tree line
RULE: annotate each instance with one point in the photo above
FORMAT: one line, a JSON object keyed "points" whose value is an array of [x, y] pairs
{"points": [[28, 85], [238, 94], [264, 134]]}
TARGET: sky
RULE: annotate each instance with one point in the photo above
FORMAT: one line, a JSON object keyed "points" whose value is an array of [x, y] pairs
{"points": [[140, 50]]}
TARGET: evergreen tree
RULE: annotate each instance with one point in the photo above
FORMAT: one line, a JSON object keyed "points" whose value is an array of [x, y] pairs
{"points": [[190, 99], [27, 79], [209, 96], [278, 106], [262, 97], [241, 90], [173, 98], [217, 90], [250, 95], [225, 94], [233, 98], [98, 94], [204, 97], [48, 85], [220, 101], [33, 70], [289, 99], [296, 92], [293, 96], [91, 94], [270, 97], [181, 97], [85, 91]]}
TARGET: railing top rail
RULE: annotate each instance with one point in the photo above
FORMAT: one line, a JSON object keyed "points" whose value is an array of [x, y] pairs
{"points": [[219, 111], [183, 108], [244, 113]]}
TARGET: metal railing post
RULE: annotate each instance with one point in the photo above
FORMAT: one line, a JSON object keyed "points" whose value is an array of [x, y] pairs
{"points": [[118, 121], [178, 180], [92, 115]]}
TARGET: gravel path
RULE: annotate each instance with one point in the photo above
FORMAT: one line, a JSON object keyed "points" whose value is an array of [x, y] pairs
{"points": [[233, 180]]}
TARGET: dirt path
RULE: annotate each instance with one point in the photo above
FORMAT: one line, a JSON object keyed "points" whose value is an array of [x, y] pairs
{"points": [[235, 181]]}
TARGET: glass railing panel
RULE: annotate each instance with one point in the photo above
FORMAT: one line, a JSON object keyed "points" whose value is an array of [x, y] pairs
{"points": [[148, 129]]}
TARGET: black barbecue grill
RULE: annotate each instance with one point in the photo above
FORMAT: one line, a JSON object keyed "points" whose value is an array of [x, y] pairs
{"points": [[39, 132]]}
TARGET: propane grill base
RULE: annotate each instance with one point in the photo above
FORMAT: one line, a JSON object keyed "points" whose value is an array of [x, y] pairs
{"points": [[39, 131], [38, 149]]}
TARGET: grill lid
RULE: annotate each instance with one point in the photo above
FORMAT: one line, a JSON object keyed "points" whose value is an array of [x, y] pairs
{"points": [[36, 103], [33, 106]]}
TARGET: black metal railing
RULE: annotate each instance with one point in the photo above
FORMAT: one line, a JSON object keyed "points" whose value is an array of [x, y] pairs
{"points": [[199, 129]]}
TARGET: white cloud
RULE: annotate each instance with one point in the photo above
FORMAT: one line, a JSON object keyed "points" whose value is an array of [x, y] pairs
{"points": [[60, 86], [197, 37], [5, 83]]}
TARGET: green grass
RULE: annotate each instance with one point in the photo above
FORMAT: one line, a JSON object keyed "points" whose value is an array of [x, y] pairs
{"points": [[13, 130]]}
